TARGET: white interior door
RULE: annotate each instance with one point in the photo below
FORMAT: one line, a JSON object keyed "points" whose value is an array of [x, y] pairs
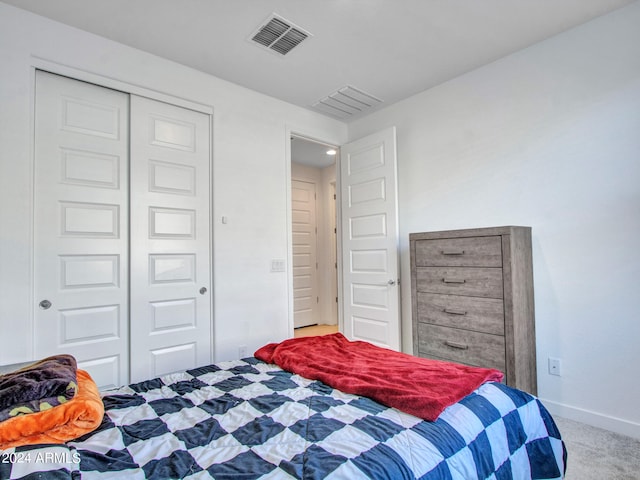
{"points": [[371, 304], [81, 226], [171, 323], [304, 232]]}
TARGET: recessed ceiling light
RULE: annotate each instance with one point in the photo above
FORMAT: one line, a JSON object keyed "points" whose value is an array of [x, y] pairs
{"points": [[331, 152]]}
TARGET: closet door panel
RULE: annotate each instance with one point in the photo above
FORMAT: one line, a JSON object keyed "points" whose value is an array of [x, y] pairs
{"points": [[81, 226], [170, 239]]}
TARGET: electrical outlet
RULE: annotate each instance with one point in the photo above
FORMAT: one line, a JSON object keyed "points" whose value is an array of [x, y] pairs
{"points": [[554, 366], [242, 351]]}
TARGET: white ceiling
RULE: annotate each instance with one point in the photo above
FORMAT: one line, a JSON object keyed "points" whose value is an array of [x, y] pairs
{"points": [[391, 49], [311, 153]]}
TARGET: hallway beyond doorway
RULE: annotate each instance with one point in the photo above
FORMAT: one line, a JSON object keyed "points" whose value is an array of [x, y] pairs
{"points": [[314, 330]]}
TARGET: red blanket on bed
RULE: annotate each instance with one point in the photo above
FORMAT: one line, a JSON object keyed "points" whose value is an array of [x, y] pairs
{"points": [[419, 386]]}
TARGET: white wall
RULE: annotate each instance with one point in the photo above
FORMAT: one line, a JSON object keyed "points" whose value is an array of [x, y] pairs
{"points": [[250, 176], [548, 137]]}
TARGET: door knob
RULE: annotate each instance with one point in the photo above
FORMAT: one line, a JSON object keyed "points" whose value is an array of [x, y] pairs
{"points": [[391, 282], [203, 290], [45, 304]]}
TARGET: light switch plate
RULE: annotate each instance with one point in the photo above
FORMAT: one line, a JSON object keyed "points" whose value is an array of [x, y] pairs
{"points": [[277, 265]]}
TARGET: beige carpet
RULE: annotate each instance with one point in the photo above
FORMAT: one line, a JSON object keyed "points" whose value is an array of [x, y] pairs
{"points": [[597, 454]]}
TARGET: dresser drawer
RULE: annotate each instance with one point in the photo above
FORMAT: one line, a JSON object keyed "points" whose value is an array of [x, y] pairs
{"points": [[459, 252], [462, 346], [471, 313], [475, 282]]}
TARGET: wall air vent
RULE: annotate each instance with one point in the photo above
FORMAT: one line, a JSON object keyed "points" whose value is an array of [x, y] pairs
{"points": [[346, 102], [279, 35]]}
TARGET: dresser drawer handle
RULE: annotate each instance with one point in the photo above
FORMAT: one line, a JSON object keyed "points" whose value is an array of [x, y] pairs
{"points": [[454, 312], [454, 280], [461, 346], [452, 252]]}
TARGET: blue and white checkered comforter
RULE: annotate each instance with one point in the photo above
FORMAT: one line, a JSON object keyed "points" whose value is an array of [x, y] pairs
{"points": [[250, 420]]}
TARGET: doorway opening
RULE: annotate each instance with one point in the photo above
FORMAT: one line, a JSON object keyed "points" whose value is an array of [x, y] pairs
{"points": [[314, 233]]}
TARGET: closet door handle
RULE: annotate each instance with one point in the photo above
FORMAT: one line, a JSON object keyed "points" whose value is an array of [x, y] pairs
{"points": [[203, 290], [45, 305]]}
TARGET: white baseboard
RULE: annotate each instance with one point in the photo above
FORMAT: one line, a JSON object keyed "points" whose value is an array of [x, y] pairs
{"points": [[613, 424]]}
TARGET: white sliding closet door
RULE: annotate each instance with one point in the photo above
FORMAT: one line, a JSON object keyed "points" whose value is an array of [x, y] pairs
{"points": [[122, 260], [170, 239], [81, 226]]}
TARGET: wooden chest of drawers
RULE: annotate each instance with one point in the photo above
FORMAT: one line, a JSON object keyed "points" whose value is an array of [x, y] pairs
{"points": [[472, 300]]}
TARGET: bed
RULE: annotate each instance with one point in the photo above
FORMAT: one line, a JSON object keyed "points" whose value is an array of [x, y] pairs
{"points": [[248, 419]]}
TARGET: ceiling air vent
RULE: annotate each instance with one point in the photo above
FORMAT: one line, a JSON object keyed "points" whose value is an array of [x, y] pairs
{"points": [[279, 35], [346, 102]]}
